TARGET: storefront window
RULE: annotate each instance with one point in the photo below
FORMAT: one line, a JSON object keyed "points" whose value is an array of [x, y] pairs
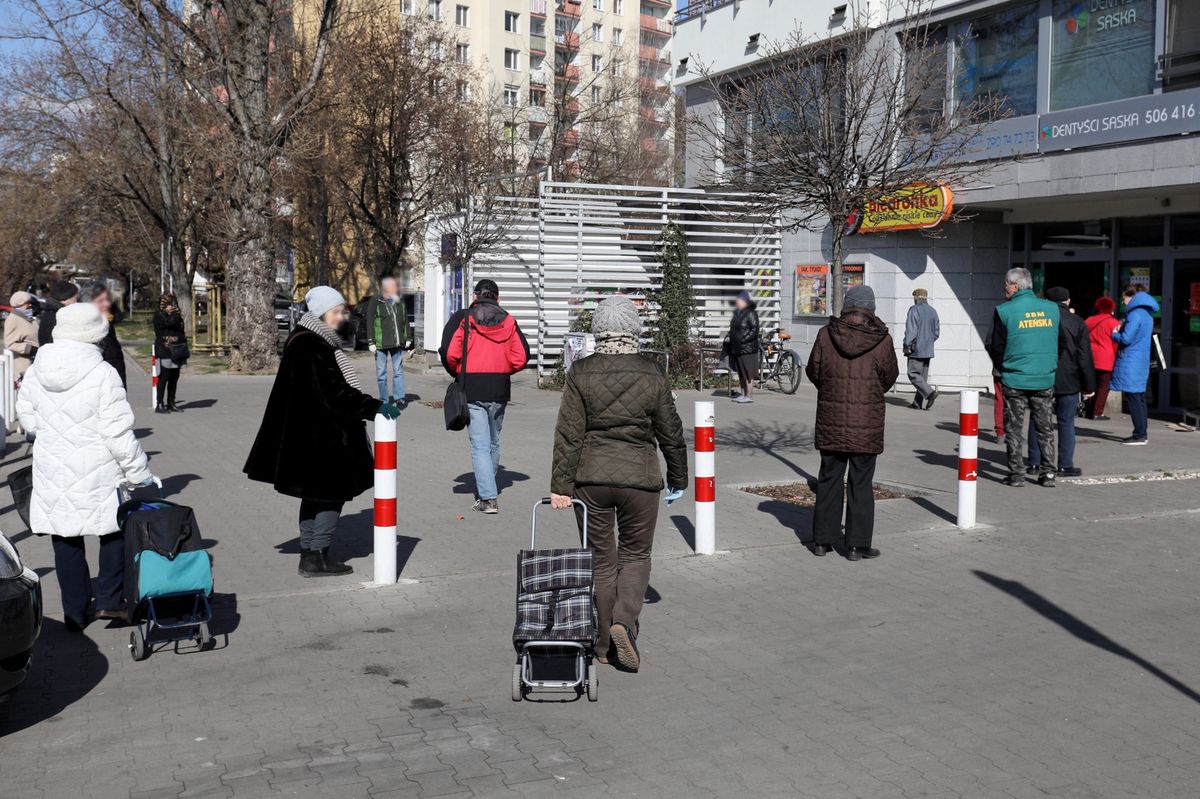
{"points": [[996, 60], [1185, 230], [1185, 324], [1101, 50], [1147, 275], [1142, 231], [1181, 62], [1072, 236]]}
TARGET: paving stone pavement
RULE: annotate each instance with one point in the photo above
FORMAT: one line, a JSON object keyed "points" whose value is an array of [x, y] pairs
{"points": [[1052, 652]]}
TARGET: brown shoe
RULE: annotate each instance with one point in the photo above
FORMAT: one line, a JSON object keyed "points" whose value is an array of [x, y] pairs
{"points": [[625, 643]]}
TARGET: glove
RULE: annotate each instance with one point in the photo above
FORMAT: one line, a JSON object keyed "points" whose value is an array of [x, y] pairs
{"points": [[410, 344], [149, 482], [372, 347], [672, 495], [388, 410]]}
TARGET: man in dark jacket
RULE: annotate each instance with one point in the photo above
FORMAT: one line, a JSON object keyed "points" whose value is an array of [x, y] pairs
{"points": [[1023, 344], [1076, 375], [852, 364], [97, 294], [62, 294], [495, 349], [921, 329], [387, 338]]}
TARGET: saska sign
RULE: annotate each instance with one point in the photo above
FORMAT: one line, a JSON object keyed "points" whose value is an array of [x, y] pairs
{"points": [[915, 207]]}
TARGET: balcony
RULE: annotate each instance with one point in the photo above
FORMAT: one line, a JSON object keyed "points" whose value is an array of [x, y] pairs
{"points": [[570, 169], [570, 138], [656, 25], [650, 85], [658, 117], [567, 40], [568, 74], [537, 77], [570, 8], [658, 3], [537, 115], [537, 43], [537, 8], [658, 55], [571, 107]]}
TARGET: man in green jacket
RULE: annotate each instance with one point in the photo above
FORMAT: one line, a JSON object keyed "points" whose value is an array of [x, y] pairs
{"points": [[387, 337], [1023, 344]]}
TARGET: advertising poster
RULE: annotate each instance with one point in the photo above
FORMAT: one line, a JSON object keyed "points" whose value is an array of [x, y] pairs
{"points": [[812, 290], [854, 274], [1102, 50]]}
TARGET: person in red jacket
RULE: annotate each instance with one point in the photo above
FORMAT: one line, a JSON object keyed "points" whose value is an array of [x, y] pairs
{"points": [[1104, 352], [495, 350]]}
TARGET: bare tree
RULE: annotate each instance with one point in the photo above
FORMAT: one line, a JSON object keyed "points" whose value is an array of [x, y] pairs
{"points": [[821, 126], [240, 57]]}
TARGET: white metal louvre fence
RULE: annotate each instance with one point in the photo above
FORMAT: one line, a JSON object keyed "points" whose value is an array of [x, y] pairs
{"points": [[582, 242]]}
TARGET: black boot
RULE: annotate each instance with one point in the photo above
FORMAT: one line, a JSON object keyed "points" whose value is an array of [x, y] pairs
{"points": [[173, 408], [160, 408], [316, 563]]}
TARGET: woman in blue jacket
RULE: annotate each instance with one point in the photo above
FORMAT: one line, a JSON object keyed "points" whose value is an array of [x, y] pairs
{"points": [[1131, 371]]}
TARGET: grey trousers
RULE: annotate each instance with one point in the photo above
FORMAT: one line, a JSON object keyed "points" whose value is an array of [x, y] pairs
{"points": [[918, 375], [318, 523]]}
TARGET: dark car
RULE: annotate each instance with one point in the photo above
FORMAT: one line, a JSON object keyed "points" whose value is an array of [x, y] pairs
{"points": [[20, 617]]}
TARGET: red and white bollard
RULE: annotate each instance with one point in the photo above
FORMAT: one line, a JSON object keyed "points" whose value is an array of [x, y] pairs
{"points": [[706, 479], [968, 457], [385, 500], [153, 376]]}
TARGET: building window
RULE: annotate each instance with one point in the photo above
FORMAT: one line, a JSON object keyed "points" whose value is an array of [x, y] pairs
{"points": [[537, 27], [1181, 59], [462, 90], [462, 16], [511, 21], [996, 60], [462, 53], [510, 132], [618, 36], [512, 59], [406, 7], [597, 64], [597, 5], [597, 32], [1098, 56], [596, 94], [537, 97], [618, 6], [434, 9], [926, 65], [512, 96], [435, 49]]}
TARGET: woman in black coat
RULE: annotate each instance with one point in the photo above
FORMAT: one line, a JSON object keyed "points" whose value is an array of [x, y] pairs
{"points": [[744, 344], [315, 418], [168, 332]]}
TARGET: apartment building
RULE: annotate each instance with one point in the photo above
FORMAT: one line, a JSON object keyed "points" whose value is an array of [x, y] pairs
{"points": [[550, 61], [1095, 179]]}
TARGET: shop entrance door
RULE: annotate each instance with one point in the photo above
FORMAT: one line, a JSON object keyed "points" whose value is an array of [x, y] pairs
{"points": [[1085, 280], [1183, 347]]}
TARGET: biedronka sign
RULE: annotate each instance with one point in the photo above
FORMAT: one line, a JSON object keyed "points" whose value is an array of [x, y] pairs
{"points": [[914, 207]]}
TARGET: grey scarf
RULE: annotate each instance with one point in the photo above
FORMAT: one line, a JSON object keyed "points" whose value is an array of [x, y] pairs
{"points": [[310, 322], [614, 343]]}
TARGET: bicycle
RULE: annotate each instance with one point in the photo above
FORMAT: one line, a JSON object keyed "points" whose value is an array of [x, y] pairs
{"points": [[779, 362]]}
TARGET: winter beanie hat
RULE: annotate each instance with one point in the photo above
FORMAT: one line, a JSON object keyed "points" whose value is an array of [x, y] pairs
{"points": [[617, 326], [322, 299], [1058, 294], [860, 297], [80, 322], [63, 290]]}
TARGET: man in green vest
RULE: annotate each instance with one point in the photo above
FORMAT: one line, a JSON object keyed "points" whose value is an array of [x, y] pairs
{"points": [[1023, 344], [387, 337]]}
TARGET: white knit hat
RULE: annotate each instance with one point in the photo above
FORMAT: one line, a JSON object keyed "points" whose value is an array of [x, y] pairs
{"points": [[80, 321], [322, 299]]}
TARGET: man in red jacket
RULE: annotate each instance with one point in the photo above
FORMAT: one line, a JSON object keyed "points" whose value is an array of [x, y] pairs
{"points": [[495, 350]]}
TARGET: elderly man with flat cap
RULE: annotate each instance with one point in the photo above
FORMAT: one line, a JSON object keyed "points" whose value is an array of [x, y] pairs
{"points": [[921, 330]]}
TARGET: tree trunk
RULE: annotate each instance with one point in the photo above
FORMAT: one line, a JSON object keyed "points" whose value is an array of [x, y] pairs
{"points": [[251, 274], [182, 283], [837, 282]]}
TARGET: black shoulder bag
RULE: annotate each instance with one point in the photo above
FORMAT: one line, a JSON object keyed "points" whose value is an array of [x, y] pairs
{"points": [[455, 405]]}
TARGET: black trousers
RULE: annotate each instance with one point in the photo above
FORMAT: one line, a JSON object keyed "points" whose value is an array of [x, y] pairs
{"points": [[75, 579], [168, 380], [858, 493]]}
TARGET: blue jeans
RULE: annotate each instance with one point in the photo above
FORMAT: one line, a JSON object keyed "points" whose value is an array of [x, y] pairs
{"points": [[1065, 406], [487, 418], [396, 356], [1135, 404]]}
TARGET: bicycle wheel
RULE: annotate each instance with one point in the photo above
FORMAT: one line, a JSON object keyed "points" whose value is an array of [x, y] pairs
{"points": [[788, 372]]}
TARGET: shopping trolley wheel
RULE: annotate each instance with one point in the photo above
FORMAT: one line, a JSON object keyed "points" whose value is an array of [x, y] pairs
{"points": [[593, 682], [203, 636], [518, 687], [137, 644]]}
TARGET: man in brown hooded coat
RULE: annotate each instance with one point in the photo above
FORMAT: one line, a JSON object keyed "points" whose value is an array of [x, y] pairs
{"points": [[852, 364]]}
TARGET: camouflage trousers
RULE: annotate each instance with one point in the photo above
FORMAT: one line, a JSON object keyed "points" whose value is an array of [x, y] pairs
{"points": [[1040, 405]]}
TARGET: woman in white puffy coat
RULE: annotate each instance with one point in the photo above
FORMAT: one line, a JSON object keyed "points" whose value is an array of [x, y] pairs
{"points": [[84, 447]]}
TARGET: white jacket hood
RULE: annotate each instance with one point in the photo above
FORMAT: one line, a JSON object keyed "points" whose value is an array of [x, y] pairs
{"points": [[62, 365]]}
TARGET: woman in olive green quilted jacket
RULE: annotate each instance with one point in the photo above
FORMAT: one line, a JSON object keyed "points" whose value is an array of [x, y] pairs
{"points": [[617, 412]]}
